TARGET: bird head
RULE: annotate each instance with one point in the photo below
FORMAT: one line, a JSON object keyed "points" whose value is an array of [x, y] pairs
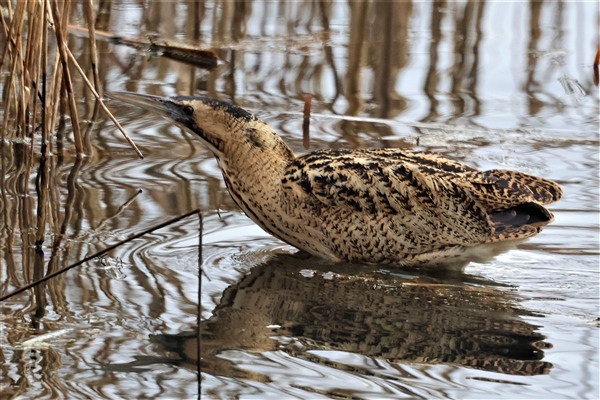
{"points": [[227, 130]]}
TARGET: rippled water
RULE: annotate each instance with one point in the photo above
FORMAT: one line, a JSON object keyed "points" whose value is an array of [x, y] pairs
{"points": [[497, 85]]}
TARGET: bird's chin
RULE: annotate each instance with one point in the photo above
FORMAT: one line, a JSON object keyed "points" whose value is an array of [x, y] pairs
{"points": [[217, 153]]}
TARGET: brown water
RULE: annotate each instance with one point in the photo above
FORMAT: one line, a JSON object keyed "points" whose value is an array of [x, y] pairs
{"points": [[494, 84]]}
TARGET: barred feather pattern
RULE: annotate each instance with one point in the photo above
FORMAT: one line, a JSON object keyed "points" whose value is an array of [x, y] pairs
{"points": [[413, 208]]}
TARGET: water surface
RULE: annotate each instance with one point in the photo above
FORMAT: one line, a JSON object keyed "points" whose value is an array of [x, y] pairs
{"points": [[497, 85]]}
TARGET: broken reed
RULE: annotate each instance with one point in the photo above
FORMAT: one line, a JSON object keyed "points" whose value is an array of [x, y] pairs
{"points": [[39, 78]]}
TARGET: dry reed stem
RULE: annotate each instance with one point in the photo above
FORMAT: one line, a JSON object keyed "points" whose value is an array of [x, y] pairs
{"points": [[111, 116], [33, 65], [10, 33], [596, 72], [27, 80], [16, 67], [60, 31], [119, 211], [55, 88], [44, 148], [4, 26], [89, 13]]}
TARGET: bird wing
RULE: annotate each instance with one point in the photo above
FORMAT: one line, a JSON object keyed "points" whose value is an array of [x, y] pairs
{"points": [[421, 191]]}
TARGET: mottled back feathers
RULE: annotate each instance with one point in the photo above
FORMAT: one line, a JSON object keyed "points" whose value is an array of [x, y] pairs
{"points": [[442, 198]]}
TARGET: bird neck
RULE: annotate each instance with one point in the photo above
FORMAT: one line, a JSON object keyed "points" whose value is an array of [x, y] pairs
{"points": [[254, 166]]}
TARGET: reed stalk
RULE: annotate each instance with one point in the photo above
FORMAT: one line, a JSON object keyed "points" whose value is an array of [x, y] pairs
{"points": [[37, 93], [99, 99], [44, 147], [39, 76], [60, 29], [89, 14]]}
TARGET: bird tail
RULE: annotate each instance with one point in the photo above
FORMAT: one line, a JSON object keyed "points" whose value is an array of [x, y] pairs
{"points": [[499, 189], [514, 200]]}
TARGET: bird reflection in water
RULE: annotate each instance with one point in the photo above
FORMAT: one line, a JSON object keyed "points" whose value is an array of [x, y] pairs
{"points": [[453, 320]]}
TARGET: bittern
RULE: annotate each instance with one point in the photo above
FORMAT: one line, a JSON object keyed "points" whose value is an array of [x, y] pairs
{"points": [[385, 206]]}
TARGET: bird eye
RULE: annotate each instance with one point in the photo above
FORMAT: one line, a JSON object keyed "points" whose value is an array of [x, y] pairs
{"points": [[188, 110]]}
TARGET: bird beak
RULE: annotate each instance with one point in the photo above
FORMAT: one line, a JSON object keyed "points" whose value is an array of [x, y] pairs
{"points": [[156, 104], [167, 107]]}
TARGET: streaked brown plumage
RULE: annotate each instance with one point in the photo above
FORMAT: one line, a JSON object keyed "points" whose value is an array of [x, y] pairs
{"points": [[385, 206]]}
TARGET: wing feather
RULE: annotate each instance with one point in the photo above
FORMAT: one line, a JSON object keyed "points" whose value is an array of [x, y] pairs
{"points": [[417, 190]]}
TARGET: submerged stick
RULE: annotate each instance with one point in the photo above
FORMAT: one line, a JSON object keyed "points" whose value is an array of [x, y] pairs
{"points": [[99, 253], [120, 210], [191, 55], [205, 59]]}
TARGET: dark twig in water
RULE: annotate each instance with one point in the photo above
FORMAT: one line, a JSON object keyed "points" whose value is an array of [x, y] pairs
{"points": [[100, 253], [596, 62], [306, 121], [199, 310], [120, 210]]}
